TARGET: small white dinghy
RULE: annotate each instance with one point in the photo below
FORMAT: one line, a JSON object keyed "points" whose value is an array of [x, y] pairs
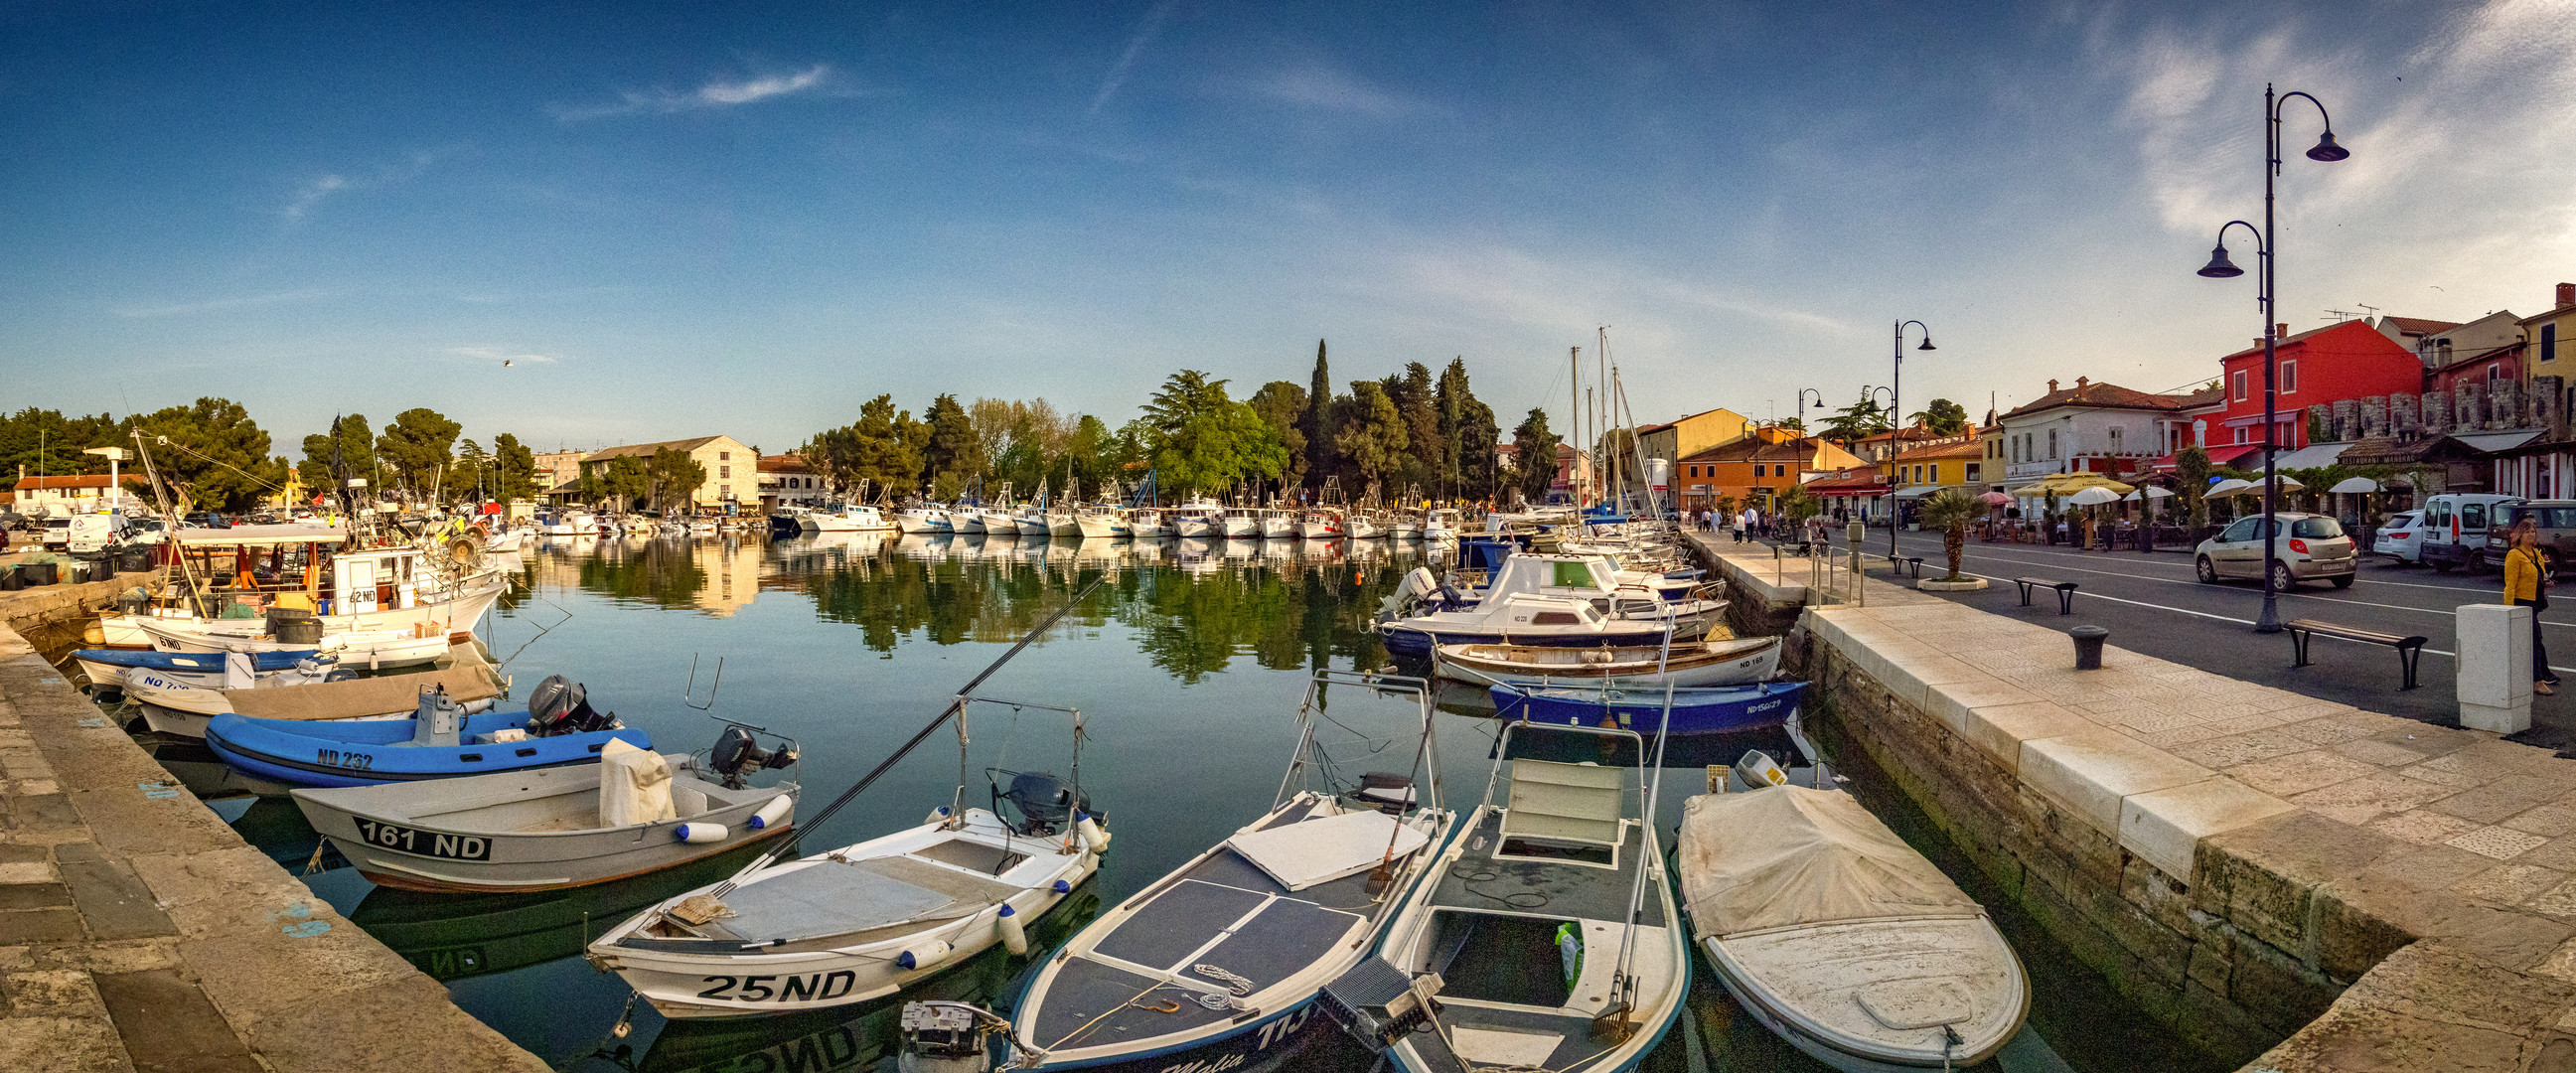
{"points": [[182, 710], [1841, 938]]}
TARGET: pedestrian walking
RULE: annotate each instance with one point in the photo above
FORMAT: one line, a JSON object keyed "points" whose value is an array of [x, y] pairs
{"points": [[2526, 584]]}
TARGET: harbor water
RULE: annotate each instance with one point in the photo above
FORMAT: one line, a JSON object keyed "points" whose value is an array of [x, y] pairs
{"points": [[1187, 663]]}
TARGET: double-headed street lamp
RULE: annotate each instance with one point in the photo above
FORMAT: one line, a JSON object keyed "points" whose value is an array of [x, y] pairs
{"points": [[2267, 249], [1896, 425]]}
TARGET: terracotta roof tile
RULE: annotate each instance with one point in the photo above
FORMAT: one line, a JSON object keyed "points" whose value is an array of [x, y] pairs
{"points": [[2110, 396], [2419, 325]]}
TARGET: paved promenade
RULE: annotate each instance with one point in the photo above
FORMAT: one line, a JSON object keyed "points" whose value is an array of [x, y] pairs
{"points": [[139, 932], [2432, 867]]}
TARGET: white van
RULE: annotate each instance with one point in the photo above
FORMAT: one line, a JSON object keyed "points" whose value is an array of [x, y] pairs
{"points": [[85, 532], [2456, 528]]}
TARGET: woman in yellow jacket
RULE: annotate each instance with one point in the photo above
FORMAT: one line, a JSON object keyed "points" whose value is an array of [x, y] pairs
{"points": [[2526, 584]]}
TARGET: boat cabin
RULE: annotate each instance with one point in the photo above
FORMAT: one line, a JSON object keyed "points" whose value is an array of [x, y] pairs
{"points": [[298, 566]]}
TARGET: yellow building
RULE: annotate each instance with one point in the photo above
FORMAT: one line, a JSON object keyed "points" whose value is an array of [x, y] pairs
{"points": [[2551, 346], [1690, 435], [733, 470]]}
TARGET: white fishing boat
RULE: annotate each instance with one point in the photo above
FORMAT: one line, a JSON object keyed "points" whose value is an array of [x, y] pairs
{"points": [[965, 516], [1099, 521], [1546, 937], [1277, 523], [631, 813], [1223, 960], [370, 649], [1242, 523], [1199, 517], [1440, 524], [1146, 523], [107, 668], [1691, 663], [861, 922], [1364, 525], [1323, 523], [1001, 520], [366, 590], [1838, 936], [928, 518], [182, 711]]}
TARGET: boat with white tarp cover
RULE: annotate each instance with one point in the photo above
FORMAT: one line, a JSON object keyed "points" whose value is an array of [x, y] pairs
{"points": [[1842, 939]]}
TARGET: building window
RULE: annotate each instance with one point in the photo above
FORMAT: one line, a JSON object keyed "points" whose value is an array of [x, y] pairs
{"points": [[724, 456], [2236, 384], [724, 471], [2290, 377], [2495, 372], [2115, 441], [2052, 445], [1975, 473], [2549, 342]]}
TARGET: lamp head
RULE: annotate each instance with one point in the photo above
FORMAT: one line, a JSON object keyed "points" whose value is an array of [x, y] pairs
{"points": [[1927, 343], [2219, 267], [2326, 149]]}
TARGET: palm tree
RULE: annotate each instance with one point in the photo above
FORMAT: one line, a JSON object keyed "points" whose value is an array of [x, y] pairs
{"points": [[1951, 509]]}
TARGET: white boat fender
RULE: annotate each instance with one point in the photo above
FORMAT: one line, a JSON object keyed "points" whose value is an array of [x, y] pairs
{"points": [[1093, 837], [701, 832], [478, 707], [1015, 935], [928, 953], [771, 813]]}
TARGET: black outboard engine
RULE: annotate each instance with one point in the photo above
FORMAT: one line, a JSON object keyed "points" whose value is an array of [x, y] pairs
{"points": [[558, 706], [1046, 804], [736, 756]]}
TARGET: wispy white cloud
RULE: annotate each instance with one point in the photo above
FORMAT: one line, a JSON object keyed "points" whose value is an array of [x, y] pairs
{"points": [[498, 354], [1328, 88], [1117, 76], [220, 304], [315, 191], [714, 94]]}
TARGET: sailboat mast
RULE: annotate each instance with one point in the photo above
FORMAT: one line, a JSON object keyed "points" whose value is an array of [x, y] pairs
{"points": [[1573, 417], [1601, 412]]}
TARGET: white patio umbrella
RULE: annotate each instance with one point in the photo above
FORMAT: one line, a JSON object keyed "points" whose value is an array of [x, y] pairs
{"points": [[2235, 487], [2151, 492], [2354, 486], [2097, 494]]}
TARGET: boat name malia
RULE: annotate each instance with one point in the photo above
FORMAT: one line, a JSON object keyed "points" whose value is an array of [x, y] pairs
{"points": [[425, 843]]}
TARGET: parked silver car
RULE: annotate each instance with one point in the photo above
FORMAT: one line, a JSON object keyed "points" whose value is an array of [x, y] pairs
{"points": [[2306, 547]]}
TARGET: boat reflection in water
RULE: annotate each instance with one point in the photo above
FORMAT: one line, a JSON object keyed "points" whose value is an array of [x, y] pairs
{"points": [[457, 936], [854, 1037]]}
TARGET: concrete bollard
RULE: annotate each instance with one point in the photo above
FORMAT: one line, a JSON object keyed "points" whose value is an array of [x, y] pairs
{"points": [[2495, 667], [2088, 646]]}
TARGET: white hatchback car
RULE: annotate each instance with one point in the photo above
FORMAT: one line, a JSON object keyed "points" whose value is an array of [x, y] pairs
{"points": [[2401, 537], [2306, 547]]}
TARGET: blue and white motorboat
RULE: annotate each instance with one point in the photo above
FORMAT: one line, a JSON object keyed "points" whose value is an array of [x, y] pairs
{"points": [[1701, 710], [439, 741], [107, 667], [1526, 619]]}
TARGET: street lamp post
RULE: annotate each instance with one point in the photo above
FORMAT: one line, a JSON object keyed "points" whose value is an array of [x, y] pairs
{"points": [[1801, 408], [1896, 425], [2266, 250]]}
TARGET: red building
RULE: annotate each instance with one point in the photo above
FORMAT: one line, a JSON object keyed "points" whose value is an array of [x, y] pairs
{"points": [[2321, 366]]}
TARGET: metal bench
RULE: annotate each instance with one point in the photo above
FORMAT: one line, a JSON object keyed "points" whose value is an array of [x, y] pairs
{"points": [[2409, 649], [1914, 563], [2065, 592]]}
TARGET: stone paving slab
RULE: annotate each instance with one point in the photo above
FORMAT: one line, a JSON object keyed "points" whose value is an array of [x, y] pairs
{"points": [[2434, 866], [138, 932]]}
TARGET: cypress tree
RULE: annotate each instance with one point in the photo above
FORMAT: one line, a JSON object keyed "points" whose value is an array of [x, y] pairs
{"points": [[1318, 425]]}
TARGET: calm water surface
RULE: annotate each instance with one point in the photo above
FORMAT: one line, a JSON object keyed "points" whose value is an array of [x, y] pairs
{"points": [[1188, 663]]}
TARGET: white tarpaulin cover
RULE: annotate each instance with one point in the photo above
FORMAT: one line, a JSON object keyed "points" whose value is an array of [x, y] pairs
{"points": [[1789, 855], [1301, 855], [634, 786]]}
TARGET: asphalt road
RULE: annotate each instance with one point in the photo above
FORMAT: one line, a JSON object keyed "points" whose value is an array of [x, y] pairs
{"points": [[2151, 603]]}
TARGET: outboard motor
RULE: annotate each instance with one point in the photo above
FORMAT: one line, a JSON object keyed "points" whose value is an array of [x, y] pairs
{"points": [[736, 756], [1046, 804], [558, 706], [439, 720], [947, 1037]]}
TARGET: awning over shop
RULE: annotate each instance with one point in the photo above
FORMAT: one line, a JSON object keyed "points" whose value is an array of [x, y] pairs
{"points": [[2310, 456], [2498, 441], [1918, 491]]}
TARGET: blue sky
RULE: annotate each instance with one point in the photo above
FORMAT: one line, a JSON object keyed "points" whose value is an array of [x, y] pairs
{"points": [[682, 219]]}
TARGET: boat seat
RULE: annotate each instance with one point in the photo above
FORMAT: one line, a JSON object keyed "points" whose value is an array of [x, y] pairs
{"points": [[1566, 803]]}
